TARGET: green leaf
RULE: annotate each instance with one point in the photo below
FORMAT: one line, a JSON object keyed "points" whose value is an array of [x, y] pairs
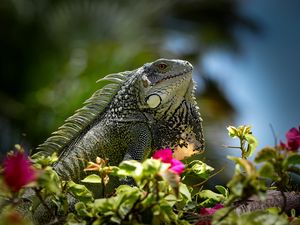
{"points": [[104, 203], [116, 219], [245, 164], [294, 169], [72, 220], [105, 206], [222, 190], [239, 132], [165, 213], [211, 197], [183, 190], [252, 144], [267, 171], [171, 200], [131, 168], [274, 210], [50, 181], [80, 191], [126, 188], [125, 201], [236, 186], [126, 197], [96, 222], [232, 131], [93, 178], [172, 179], [44, 160], [151, 167], [266, 154], [129, 165], [244, 130], [82, 210], [199, 169], [210, 194], [293, 159]]}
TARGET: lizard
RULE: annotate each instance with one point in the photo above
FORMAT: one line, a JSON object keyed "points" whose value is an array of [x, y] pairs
{"points": [[140, 111]]}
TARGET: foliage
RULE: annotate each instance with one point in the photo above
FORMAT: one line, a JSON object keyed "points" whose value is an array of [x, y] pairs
{"points": [[277, 165], [155, 191], [248, 142]]}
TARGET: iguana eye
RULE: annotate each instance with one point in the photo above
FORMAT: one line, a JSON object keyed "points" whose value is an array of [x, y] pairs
{"points": [[162, 66]]}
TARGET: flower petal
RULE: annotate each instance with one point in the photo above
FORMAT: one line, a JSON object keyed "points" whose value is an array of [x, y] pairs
{"points": [[293, 139], [164, 154], [210, 211], [292, 133], [176, 166], [18, 171]]}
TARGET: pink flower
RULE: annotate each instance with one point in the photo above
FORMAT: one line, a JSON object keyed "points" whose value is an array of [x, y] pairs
{"points": [[293, 140], [18, 171], [165, 155], [208, 212], [211, 211], [176, 166]]}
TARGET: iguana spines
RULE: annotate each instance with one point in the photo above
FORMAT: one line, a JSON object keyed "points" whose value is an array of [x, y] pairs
{"points": [[83, 117]]}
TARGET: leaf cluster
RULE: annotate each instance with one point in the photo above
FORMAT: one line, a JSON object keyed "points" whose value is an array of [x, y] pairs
{"points": [[151, 193], [276, 165]]}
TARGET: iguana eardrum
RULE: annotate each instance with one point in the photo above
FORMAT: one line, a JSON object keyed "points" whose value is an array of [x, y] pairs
{"points": [[139, 112]]}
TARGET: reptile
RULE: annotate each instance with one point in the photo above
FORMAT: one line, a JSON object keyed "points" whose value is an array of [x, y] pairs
{"points": [[138, 112]]}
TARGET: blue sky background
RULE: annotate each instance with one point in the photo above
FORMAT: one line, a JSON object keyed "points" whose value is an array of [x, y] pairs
{"points": [[263, 81]]}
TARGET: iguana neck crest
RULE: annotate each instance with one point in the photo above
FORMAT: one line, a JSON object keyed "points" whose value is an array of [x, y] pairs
{"points": [[84, 117]]}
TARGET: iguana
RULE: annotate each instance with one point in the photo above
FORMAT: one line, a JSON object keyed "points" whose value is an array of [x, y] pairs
{"points": [[138, 112], [142, 110]]}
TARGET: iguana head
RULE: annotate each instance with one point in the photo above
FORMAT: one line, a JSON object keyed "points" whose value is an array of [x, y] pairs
{"points": [[166, 95], [164, 83]]}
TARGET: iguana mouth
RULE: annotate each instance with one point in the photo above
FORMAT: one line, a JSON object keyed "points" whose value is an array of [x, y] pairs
{"points": [[185, 72]]}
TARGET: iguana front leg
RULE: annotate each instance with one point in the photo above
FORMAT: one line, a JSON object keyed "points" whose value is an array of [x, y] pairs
{"points": [[139, 142]]}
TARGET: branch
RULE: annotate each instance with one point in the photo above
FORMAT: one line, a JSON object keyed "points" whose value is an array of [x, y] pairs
{"points": [[284, 200]]}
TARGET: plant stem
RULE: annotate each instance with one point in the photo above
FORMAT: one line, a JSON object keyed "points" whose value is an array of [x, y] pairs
{"points": [[203, 182]]}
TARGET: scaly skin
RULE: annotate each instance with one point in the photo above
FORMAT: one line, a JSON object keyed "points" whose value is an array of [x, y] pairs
{"points": [[154, 108]]}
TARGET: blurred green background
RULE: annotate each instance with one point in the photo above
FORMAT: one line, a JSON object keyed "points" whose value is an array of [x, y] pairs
{"points": [[53, 51]]}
